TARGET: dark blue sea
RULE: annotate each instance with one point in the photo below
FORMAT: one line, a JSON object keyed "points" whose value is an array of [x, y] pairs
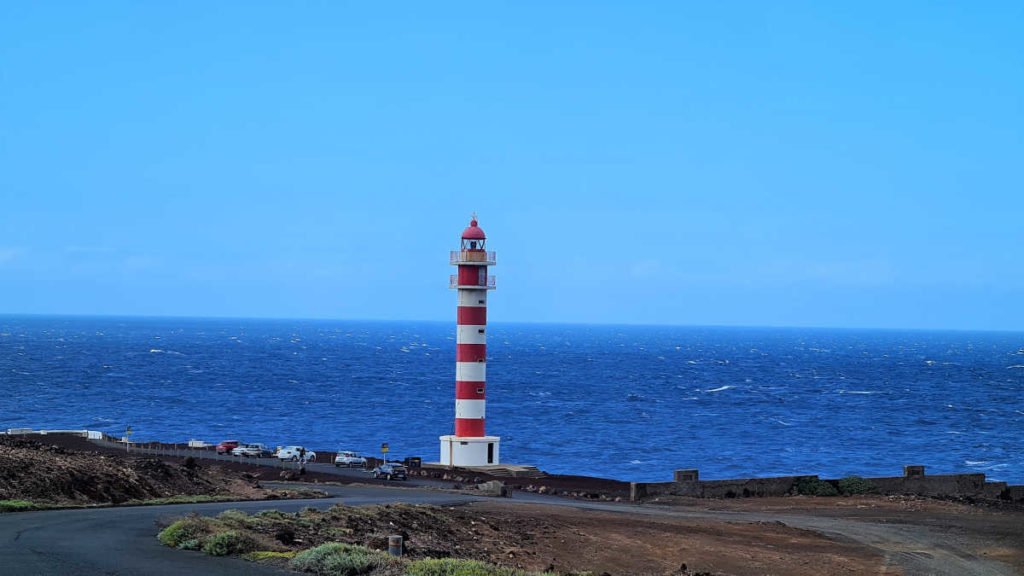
{"points": [[626, 402]]}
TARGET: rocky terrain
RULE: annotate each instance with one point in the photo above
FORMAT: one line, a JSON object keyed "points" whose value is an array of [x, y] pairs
{"points": [[555, 540], [33, 469]]}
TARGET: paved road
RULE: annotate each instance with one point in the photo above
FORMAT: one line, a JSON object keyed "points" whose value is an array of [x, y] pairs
{"points": [[122, 541]]}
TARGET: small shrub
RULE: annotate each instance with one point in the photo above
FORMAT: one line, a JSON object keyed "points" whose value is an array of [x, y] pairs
{"points": [[856, 485], [16, 505], [190, 544], [229, 542], [186, 529], [235, 518], [815, 487], [273, 514], [337, 559]]}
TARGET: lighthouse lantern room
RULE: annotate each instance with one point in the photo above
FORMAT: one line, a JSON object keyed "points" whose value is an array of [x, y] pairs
{"points": [[470, 445]]}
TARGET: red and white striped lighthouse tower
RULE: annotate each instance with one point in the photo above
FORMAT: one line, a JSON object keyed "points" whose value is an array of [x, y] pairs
{"points": [[470, 446]]}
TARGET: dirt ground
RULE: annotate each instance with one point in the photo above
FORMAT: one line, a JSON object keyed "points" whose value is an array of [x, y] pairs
{"points": [[793, 536], [988, 530], [598, 541]]}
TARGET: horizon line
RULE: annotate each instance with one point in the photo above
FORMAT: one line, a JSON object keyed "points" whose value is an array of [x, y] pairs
{"points": [[515, 322]]}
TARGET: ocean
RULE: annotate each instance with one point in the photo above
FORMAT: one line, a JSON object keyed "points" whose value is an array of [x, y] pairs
{"points": [[626, 402]]}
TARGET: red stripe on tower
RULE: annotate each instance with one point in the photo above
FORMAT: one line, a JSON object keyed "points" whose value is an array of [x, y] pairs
{"points": [[470, 352], [472, 315], [469, 428], [469, 390]]}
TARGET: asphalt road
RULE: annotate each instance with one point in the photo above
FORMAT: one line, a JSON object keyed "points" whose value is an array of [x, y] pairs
{"points": [[122, 541]]}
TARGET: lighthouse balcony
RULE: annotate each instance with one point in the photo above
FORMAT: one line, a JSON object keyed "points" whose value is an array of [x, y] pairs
{"points": [[481, 284], [479, 257]]}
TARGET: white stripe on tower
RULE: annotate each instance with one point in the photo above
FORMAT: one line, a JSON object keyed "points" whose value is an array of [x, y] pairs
{"points": [[471, 334]]}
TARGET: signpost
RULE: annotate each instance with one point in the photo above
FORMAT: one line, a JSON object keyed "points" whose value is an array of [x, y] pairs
{"points": [[384, 450], [127, 438]]}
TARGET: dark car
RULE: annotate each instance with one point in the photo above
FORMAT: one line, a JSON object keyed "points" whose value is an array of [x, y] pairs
{"points": [[226, 446], [390, 471]]}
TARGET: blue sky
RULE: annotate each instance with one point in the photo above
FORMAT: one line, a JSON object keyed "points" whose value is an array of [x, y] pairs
{"points": [[784, 164]]}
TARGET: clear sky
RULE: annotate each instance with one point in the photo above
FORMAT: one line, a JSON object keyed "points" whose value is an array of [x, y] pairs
{"points": [[763, 163]]}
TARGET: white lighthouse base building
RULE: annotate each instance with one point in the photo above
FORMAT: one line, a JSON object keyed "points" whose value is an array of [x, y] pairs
{"points": [[468, 451]]}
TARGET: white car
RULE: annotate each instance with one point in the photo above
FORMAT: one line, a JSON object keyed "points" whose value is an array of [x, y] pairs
{"points": [[251, 450], [295, 454], [349, 460]]}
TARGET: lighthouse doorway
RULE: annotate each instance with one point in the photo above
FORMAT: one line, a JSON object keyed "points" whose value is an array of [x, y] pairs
{"points": [[490, 452]]}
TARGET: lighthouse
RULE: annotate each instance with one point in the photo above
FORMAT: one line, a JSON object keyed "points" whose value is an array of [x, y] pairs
{"points": [[470, 445]]}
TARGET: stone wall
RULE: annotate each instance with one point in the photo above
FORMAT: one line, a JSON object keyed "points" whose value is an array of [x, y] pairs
{"points": [[914, 482]]}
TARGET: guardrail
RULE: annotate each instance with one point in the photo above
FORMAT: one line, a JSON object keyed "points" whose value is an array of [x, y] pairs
{"points": [[472, 257], [210, 454]]}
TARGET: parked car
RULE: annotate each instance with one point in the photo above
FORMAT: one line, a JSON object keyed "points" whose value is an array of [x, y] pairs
{"points": [[296, 453], [252, 451], [390, 471], [349, 460], [226, 446]]}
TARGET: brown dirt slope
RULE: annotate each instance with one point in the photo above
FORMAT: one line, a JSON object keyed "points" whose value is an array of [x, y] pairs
{"points": [[40, 472]]}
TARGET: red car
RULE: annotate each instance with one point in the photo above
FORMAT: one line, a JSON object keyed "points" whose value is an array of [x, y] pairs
{"points": [[226, 446]]}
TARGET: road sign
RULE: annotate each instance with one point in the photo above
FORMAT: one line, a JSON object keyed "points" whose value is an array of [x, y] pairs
{"points": [[384, 448]]}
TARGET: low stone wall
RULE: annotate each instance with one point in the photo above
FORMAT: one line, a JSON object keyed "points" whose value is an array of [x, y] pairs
{"points": [[913, 483], [939, 485], [1014, 493], [741, 488]]}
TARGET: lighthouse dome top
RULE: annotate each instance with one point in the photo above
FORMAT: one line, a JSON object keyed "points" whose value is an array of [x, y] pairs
{"points": [[473, 232]]}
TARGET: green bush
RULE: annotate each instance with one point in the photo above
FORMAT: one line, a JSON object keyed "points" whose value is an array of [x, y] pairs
{"points": [[16, 505], [184, 530], [815, 487], [235, 518], [337, 559], [229, 542], [856, 485]]}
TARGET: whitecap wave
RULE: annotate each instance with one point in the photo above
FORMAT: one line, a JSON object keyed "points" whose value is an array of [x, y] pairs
{"points": [[159, 351], [865, 392], [719, 389], [1015, 366]]}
